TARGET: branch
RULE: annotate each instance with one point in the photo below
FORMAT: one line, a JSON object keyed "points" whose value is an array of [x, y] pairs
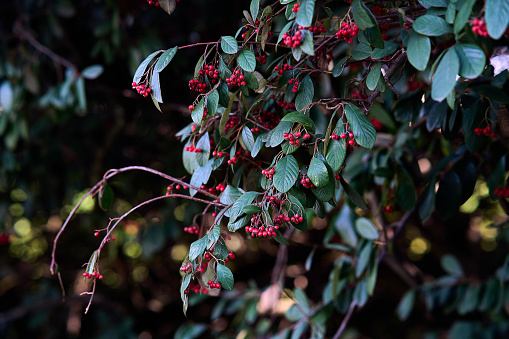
{"points": [[345, 320], [99, 185], [18, 28]]}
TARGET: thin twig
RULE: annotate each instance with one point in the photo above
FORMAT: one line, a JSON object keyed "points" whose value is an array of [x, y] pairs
{"points": [[345, 320]]}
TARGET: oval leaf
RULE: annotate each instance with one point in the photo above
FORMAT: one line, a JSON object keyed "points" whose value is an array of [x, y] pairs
{"points": [[363, 130], [301, 118], [366, 229], [229, 45], [444, 78], [373, 76], [336, 152], [472, 59], [224, 277], [497, 17], [165, 59], [431, 25], [317, 173], [247, 60], [419, 50], [306, 93], [305, 14], [286, 173]]}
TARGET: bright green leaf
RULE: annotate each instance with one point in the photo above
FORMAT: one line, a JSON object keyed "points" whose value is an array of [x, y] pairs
{"points": [[419, 50], [444, 78], [224, 277], [247, 60], [363, 130], [286, 173], [229, 45], [165, 59]]}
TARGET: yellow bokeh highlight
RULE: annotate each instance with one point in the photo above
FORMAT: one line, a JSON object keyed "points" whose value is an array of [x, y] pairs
{"points": [[16, 210], [132, 249], [419, 246], [19, 195], [23, 227], [88, 204], [179, 252]]}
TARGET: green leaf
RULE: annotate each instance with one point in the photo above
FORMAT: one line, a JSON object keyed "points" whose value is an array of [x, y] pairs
{"points": [[360, 293], [307, 44], [405, 189], [245, 199], [189, 159], [248, 138], [198, 247], [251, 80], [212, 102], [366, 229], [204, 143], [275, 137], [472, 59], [229, 195], [247, 60], [431, 25], [451, 265], [224, 277], [258, 144], [286, 173], [497, 17], [362, 15], [388, 49], [251, 209], [406, 305], [91, 265], [168, 6], [301, 118], [229, 44], [106, 197], [336, 153], [92, 72], [81, 94], [6, 97], [156, 87], [200, 176], [435, 3], [374, 36], [353, 195], [305, 14], [444, 78], [326, 193], [143, 66], [281, 239], [463, 15], [254, 8], [361, 51], [317, 173], [283, 31], [419, 50], [448, 198], [165, 59], [450, 13], [338, 67], [363, 130], [374, 76], [224, 71], [306, 93], [197, 113]]}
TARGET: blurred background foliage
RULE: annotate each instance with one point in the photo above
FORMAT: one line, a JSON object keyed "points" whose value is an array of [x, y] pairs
{"points": [[68, 115]]}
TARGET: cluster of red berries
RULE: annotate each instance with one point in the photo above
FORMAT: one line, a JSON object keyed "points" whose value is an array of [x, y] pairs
{"points": [[350, 135], [187, 268], [219, 154], [295, 8], [284, 104], [193, 149], [269, 173], [501, 192], [318, 28], [268, 119], [347, 32], [484, 131], [280, 70], [230, 256], [273, 200], [306, 182], [255, 129], [213, 284], [262, 59], [142, 89], [197, 86], [297, 219], [262, 232], [195, 288], [388, 209], [211, 71], [479, 27], [153, 2], [93, 275], [292, 41], [236, 79], [232, 161], [170, 188], [192, 229], [295, 84], [220, 187], [294, 139], [232, 121]]}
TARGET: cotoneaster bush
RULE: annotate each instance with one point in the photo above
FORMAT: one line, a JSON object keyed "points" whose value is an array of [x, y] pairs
{"points": [[377, 117]]}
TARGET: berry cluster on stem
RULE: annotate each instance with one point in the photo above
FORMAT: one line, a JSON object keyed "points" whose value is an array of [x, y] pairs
{"points": [[142, 89], [347, 32], [479, 27], [501, 192], [484, 131]]}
